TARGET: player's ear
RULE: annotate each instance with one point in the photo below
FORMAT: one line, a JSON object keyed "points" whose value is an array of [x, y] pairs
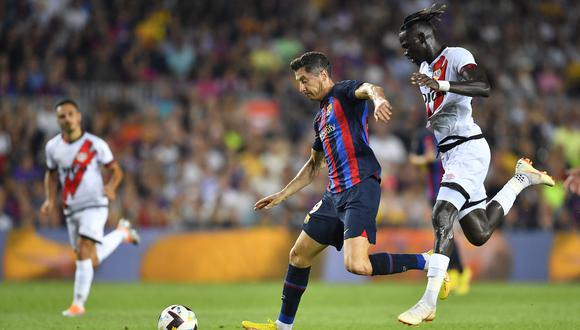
{"points": [[422, 38], [324, 74]]}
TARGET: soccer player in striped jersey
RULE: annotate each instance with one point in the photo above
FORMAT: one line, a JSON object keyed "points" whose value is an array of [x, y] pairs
{"points": [[346, 214], [75, 157], [448, 78]]}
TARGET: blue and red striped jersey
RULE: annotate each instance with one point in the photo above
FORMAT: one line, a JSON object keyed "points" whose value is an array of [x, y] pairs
{"points": [[341, 131]]}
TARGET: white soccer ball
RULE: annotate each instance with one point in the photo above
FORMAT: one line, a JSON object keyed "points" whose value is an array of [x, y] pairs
{"points": [[177, 317]]}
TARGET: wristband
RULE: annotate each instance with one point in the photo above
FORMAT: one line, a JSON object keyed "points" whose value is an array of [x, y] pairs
{"points": [[444, 85]]}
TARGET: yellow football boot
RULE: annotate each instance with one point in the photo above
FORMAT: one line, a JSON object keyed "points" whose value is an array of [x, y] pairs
{"points": [[463, 282], [259, 326]]}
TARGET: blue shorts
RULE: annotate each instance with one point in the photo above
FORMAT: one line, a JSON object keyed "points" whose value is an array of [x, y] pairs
{"points": [[347, 214]]}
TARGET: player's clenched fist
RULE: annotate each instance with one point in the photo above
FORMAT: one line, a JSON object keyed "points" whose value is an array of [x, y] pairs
{"points": [[46, 207], [424, 80], [110, 192]]}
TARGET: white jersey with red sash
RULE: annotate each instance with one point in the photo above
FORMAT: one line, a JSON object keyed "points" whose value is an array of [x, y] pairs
{"points": [[449, 113], [78, 164], [465, 154]]}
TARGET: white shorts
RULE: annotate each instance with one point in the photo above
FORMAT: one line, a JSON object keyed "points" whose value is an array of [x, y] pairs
{"points": [[89, 223], [465, 168]]}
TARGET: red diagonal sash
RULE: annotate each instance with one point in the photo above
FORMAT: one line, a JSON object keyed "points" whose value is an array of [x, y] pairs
{"points": [[78, 168]]}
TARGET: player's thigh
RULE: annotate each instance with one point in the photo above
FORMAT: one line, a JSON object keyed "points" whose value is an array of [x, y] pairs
{"points": [[72, 225], [466, 168], [92, 223], [356, 249], [360, 211], [477, 201], [323, 225], [474, 222]]}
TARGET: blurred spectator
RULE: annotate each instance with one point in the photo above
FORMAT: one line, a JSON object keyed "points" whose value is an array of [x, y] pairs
{"points": [[197, 100], [5, 220]]}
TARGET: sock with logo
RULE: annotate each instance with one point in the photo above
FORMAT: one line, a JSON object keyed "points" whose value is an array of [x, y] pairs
{"points": [[294, 286], [387, 263]]}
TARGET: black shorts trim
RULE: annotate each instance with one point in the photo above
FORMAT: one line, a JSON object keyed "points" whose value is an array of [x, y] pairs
{"points": [[458, 140], [90, 239], [456, 187], [68, 213], [470, 204]]}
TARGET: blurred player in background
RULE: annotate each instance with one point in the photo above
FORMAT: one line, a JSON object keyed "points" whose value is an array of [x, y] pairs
{"points": [[75, 157], [573, 180], [424, 154], [448, 77], [346, 214]]}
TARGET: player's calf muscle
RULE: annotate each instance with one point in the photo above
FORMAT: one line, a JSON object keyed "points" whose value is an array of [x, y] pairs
{"points": [[359, 267]]}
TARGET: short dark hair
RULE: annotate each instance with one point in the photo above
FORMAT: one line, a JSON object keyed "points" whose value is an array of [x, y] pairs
{"points": [[311, 61], [424, 16], [66, 101]]}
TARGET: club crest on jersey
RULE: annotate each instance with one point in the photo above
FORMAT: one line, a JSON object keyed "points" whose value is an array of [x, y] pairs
{"points": [[82, 156], [328, 109], [437, 74]]}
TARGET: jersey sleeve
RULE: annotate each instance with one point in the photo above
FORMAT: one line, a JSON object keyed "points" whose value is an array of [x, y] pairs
{"points": [[50, 162], [346, 88], [104, 153], [462, 58], [317, 144]]}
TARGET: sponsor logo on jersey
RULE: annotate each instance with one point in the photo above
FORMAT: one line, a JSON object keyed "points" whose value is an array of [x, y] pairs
{"points": [[328, 129]]}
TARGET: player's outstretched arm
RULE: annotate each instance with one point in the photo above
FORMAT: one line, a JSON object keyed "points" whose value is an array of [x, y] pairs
{"points": [[383, 109], [304, 177], [474, 82], [50, 183], [114, 182]]}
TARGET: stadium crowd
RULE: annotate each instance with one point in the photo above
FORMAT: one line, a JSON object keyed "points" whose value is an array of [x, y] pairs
{"points": [[198, 103]]}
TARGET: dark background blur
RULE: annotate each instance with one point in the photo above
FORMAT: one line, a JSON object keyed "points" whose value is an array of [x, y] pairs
{"points": [[199, 106]]}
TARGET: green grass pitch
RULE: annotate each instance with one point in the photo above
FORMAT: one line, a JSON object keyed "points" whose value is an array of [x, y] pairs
{"points": [[135, 306]]}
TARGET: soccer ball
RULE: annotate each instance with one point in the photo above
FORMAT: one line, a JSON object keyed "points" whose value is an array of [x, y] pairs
{"points": [[177, 317]]}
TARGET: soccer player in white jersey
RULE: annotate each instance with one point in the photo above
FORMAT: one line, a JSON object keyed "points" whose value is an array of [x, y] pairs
{"points": [[448, 77], [75, 157]]}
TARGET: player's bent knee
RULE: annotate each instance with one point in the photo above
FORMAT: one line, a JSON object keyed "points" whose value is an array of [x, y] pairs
{"points": [[86, 249], [297, 259], [477, 239]]}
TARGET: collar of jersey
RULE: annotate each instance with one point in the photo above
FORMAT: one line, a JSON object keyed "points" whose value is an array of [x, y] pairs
{"points": [[438, 55], [75, 140]]}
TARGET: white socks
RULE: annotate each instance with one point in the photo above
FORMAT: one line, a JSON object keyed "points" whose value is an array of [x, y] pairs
{"points": [[110, 242], [84, 271], [83, 280], [436, 273], [507, 195], [427, 257], [283, 326]]}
